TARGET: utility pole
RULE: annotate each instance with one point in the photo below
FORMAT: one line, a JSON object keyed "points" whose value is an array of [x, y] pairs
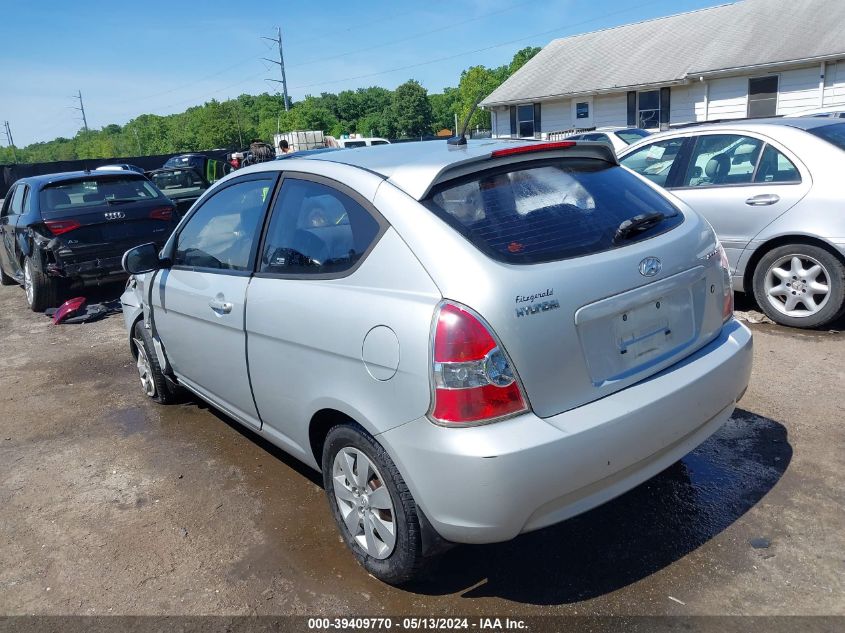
{"points": [[280, 63], [138, 141], [9, 141], [81, 108]]}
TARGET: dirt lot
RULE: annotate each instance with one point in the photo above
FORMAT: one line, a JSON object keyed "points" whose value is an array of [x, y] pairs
{"points": [[110, 503]]}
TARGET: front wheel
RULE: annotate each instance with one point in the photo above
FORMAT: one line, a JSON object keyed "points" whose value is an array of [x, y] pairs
{"points": [[42, 292], [153, 382], [800, 285], [373, 508]]}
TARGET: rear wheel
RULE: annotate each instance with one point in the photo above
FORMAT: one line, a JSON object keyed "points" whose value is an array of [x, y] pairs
{"points": [[373, 508], [800, 285], [153, 382], [42, 292]]}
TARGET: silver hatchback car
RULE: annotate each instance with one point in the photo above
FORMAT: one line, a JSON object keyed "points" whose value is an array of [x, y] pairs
{"points": [[470, 342], [772, 190]]}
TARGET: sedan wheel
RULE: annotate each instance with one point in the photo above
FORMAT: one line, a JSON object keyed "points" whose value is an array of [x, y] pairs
{"points": [[800, 285], [364, 502], [27, 281], [797, 286], [144, 369]]}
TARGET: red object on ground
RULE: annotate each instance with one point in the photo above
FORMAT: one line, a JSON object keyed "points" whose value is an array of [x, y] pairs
{"points": [[68, 308]]}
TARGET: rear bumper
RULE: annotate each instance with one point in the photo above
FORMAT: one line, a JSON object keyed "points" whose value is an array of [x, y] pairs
{"points": [[490, 483], [95, 269]]}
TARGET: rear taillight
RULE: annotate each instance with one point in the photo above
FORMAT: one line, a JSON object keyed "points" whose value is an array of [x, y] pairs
{"points": [[57, 227], [474, 381], [162, 213], [727, 285]]}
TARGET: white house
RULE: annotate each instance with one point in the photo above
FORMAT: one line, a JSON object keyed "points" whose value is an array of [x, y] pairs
{"points": [[747, 59]]}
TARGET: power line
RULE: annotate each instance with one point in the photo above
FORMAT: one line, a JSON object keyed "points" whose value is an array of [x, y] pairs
{"points": [[81, 108], [477, 50], [280, 63]]}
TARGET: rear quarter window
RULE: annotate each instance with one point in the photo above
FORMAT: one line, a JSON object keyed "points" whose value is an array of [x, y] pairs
{"points": [[549, 210], [834, 134]]}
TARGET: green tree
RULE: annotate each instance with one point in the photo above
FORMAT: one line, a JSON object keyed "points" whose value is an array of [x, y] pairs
{"points": [[410, 110], [444, 106], [521, 57]]}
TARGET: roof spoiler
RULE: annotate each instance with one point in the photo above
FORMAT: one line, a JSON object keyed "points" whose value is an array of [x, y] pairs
{"points": [[596, 150]]}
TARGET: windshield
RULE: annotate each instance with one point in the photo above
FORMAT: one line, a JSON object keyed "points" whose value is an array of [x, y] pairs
{"points": [[632, 136], [178, 182], [834, 134], [93, 191], [551, 210]]}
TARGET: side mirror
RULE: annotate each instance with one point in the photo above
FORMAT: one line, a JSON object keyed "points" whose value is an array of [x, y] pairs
{"points": [[143, 259]]}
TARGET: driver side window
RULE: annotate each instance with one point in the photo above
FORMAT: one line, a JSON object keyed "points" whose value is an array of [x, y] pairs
{"points": [[222, 232]]}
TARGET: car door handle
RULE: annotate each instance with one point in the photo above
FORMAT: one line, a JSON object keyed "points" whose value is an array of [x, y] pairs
{"points": [[220, 306], [762, 200]]}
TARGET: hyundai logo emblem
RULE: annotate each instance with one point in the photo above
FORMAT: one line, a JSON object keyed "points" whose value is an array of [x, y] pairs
{"points": [[650, 266]]}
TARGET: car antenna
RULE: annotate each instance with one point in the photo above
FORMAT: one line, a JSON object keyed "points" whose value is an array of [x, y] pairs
{"points": [[461, 139]]}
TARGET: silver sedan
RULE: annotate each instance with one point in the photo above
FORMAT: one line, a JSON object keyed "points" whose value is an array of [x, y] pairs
{"points": [[772, 190], [468, 341]]}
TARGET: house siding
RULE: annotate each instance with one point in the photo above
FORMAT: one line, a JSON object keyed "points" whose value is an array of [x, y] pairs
{"points": [[697, 101]]}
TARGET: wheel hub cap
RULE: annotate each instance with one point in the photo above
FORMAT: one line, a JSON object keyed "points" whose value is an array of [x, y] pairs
{"points": [[144, 369], [364, 502], [797, 286]]}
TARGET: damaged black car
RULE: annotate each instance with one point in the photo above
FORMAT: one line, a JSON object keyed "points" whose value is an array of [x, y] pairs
{"points": [[71, 229]]}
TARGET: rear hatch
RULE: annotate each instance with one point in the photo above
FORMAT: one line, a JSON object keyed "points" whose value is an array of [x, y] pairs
{"points": [[592, 279], [102, 216]]}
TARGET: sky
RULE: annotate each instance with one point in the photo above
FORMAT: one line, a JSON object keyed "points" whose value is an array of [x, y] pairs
{"points": [[163, 56]]}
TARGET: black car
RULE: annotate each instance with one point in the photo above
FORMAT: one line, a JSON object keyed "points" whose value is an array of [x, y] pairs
{"points": [[209, 168], [183, 185], [73, 228]]}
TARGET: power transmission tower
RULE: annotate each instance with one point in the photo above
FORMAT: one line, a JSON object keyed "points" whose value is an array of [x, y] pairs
{"points": [[81, 108], [280, 63], [9, 141]]}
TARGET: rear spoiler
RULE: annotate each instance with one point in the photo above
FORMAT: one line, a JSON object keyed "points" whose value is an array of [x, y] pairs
{"points": [[596, 150]]}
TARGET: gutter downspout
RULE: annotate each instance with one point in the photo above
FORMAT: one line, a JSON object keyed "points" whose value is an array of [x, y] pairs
{"points": [[706, 98], [822, 68]]}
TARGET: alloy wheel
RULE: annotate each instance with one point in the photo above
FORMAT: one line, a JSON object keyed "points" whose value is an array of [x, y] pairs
{"points": [[364, 502], [797, 285], [27, 282], [144, 369]]}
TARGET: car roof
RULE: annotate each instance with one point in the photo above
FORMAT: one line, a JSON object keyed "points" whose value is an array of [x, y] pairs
{"points": [[43, 180], [802, 123], [416, 166]]}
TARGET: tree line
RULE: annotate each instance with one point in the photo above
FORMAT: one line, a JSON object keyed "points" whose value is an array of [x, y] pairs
{"points": [[406, 112]]}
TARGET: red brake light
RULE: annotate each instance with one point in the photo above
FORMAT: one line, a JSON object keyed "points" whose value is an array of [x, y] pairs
{"points": [[473, 379], [534, 147], [162, 213], [57, 227]]}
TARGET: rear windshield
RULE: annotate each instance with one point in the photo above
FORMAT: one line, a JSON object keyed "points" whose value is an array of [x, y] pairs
{"points": [[550, 210], [831, 133], [632, 136], [178, 182], [91, 192]]}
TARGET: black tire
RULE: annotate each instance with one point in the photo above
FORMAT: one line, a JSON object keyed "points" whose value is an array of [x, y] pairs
{"points": [[5, 280], [164, 393], [45, 290], [406, 562], [834, 275]]}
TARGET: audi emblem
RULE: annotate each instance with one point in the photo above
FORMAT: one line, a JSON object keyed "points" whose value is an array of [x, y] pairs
{"points": [[650, 266], [114, 215]]}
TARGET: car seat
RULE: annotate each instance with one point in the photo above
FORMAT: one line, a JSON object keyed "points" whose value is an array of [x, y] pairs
{"points": [[57, 198], [718, 168]]}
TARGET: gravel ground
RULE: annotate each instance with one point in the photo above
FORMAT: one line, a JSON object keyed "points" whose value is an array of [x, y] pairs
{"points": [[111, 504]]}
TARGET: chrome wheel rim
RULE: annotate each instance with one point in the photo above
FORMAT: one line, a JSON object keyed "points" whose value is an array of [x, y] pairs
{"points": [[797, 286], [364, 502], [144, 370], [27, 281]]}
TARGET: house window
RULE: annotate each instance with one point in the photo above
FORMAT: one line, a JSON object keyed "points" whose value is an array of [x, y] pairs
{"points": [[582, 110], [648, 109], [763, 96], [525, 119]]}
